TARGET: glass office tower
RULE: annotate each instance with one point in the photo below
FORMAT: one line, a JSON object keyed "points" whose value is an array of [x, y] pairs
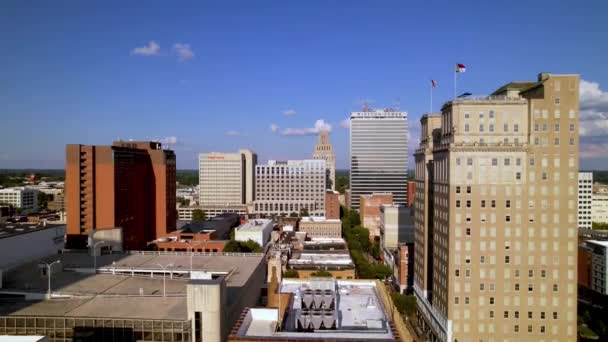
{"points": [[378, 154]]}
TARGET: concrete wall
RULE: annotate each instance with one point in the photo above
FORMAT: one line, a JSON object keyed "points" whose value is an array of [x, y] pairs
{"points": [[22, 248]]}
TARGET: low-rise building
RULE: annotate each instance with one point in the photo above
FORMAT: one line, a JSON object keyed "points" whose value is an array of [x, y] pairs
{"points": [[134, 296], [208, 236], [599, 207], [20, 197], [593, 257], [24, 242], [321, 227], [257, 230], [401, 261], [369, 211], [319, 310]]}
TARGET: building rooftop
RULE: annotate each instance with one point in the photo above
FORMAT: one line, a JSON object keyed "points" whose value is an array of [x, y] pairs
{"points": [[322, 309], [598, 242], [317, 219], [126, 285], [317, 259], [9, 229], [255, 225]]}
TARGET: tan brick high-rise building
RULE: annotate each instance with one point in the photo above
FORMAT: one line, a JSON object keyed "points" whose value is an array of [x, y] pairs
{"points": [[130, 184], [496, 215], [324, 150]]}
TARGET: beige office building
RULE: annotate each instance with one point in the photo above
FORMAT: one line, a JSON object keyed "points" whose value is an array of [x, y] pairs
{"points": [[321, 227], [227, 179], [324, 151], [496, 215]]}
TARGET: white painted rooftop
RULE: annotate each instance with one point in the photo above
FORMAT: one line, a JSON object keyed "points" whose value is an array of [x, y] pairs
{"points": [[255, 225], [322, 259], [317, 219], [598, 242]]}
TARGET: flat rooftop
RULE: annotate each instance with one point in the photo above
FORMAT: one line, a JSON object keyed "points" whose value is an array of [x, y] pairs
{"points": [[358, 313], [599, 242], [128, 285], [255, 225], [9, 229], [318, 219], [314, 259]]}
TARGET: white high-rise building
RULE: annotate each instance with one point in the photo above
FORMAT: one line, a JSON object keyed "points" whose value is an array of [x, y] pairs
{"points": [[19, 197], [226, 179], [585, 199], [378, 154], [284, 187]]}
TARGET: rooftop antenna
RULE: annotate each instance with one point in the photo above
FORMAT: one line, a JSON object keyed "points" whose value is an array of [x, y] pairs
{"points": [[365, 106], [398, 105]]}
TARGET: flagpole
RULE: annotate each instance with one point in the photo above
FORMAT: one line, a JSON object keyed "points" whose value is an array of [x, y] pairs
{"points": [[455, 74], [431, 104]]}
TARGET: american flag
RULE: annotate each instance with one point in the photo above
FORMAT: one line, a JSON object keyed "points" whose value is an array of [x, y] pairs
{"points": [[434, 83]]}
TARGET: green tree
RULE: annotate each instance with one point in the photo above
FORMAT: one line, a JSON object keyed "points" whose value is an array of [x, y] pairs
{"points": [[248, 246], [376, 250], [182, 201], [303, 212], [599, 225], [198, 215], [355, 220], [43, 200], [291, 274], [321, 273], [406, 305], [382, 271], [293, 214]]}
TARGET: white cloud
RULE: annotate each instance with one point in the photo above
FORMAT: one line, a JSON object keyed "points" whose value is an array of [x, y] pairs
{"points": [[152, 49], [274, 128], [169, 140], [320, 125], [289, 112], [233, 133], [593, 120], [184, 52], [345, 123]]}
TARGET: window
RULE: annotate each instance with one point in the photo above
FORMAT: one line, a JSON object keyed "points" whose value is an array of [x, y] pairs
{"points": [[530, 315], [544, 127], [469, 231], [517, 287], [468, 203], [491, 113], [556, 141], [458, 189], [557, 100], [536, 126], [530, 287], [531, 273], [468, 189], [467, 300], [469, 161], [531, 161], [518, 175], [506, 128], [481, 128], [516, 328], [457, 161], [554, 314], [456, 300], [516, 128], [491, 314], [508, 218], [516, 314], [491, 300], [543, 273], [493, 203], [466, 127], [482, 259], [542, 315], [481, 286], [571, 127], [555, 288], [557, 127], [518, 161], [508, 203], [457, 272], [481, 115], [491, 127], [506, 259], [571, 141], [529, 328], [544, 176], [457, 203], [506, 314], [483, 203], [507, 161], [542, 329]]}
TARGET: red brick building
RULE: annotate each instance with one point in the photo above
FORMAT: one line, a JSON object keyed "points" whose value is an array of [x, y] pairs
{"points": [[411, 191], [369, 211], [332, 204], [128, 184]]}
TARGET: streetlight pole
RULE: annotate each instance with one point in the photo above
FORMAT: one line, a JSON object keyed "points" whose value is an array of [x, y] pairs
{"points": [[191, 245], [164, 278], [95, 255], [48, 273]]}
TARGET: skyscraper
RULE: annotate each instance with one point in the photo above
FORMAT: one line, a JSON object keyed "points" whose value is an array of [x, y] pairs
{"points": [[585, 199], [226, 181], [130, 184], [324, 150], [496, 214], [378, 154]]}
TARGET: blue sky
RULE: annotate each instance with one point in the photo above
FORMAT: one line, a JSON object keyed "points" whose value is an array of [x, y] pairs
{"points": [[214, 76]]}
